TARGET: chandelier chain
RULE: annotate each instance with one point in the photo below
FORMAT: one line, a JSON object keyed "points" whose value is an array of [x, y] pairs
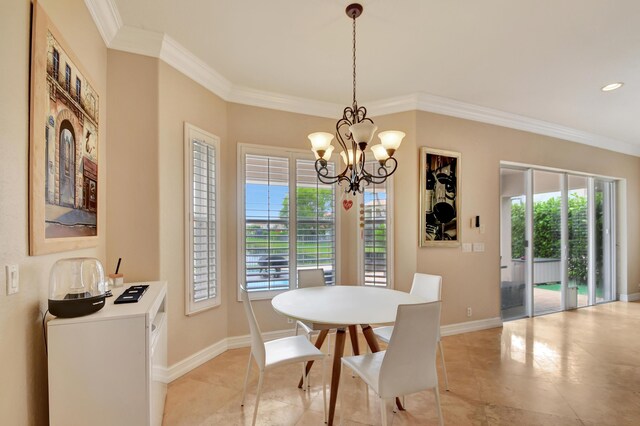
{"points": [[354, 60]]}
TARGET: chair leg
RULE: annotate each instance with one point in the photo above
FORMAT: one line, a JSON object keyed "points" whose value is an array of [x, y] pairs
{"points": [[324, 389], [440, 419], [341, 396], [304, 376], [444, 366], [246, 379], [329, 344], [255, 410]]}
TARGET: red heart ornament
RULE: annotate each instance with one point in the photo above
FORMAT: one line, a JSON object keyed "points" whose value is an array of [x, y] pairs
{"points": [[347, 204]]}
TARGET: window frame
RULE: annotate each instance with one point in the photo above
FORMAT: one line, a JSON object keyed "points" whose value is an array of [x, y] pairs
{"points": [[192, 133], [292, 155], [390, 237]]}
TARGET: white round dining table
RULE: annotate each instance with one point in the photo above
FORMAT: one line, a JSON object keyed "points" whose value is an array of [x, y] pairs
{"points": [[342, 307], [336, 306]]}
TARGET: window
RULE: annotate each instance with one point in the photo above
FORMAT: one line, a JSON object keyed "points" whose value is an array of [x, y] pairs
{"points": [[315, 220], [288, 220], [56, 64], [201, 227], [78, 89], [67, 77], [376, 234]]}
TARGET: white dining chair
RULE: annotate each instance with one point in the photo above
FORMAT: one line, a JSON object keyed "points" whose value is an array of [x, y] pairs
{"points": [[278, 352], [311, 278], [398, 371], [429, 287]]}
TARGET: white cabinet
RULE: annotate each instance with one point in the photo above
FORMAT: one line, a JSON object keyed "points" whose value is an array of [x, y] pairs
{"points": [[106, 368]]}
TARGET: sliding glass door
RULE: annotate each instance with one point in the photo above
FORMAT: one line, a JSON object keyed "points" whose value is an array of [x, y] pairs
{"points": [[557, 241]]}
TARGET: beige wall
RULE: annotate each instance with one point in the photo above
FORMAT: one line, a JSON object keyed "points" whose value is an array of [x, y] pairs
{"points": [[180, 100], [258, 126], [23, 372], [473, 279], [133, 217]]}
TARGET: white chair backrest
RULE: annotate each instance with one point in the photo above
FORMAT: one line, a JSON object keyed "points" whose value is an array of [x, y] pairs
{"points": [[310, 278], [257, 344], [409, 364], [427, 286]]}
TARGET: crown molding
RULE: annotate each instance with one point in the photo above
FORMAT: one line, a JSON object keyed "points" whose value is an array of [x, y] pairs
{"points": [[107, 18], [261, 98], [180, 58], [134, 40], [451, 107]]}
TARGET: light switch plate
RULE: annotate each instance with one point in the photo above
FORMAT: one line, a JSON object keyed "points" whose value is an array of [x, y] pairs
{"points": [[13, 279], [466, 247], [478, 247]]}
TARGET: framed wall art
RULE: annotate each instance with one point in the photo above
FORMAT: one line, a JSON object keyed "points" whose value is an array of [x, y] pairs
{"points": [[439, 198], [63, 145]]}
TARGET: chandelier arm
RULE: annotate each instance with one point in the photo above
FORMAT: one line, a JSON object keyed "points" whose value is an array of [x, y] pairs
{"points": [[323, 173], [381, 177]]}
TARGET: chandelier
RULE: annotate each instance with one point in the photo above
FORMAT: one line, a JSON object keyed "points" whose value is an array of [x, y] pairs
{"points": [[354, 132]]}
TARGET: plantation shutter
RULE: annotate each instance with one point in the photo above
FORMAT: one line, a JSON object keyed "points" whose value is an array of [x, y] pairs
{"points": [[375, 234], [204, 221], [315, 221], [266, 222]]}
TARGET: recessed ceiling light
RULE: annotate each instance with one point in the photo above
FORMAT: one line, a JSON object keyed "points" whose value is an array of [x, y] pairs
{"points": [[612, 86]]}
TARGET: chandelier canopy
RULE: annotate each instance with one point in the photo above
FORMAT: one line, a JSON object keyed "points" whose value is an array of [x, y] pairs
{"points": [[354, 132]]}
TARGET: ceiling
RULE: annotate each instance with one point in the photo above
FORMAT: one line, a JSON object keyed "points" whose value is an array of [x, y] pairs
{"points": [[538, 60]]}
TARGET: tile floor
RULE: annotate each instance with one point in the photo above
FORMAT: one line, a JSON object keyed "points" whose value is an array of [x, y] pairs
{"points": [[571, 368]]}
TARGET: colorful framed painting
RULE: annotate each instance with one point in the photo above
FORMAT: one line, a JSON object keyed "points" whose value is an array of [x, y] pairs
{"points": [[63, 145], [439, 198]]}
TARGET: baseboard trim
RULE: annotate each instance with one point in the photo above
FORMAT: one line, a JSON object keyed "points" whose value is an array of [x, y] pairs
{"points": [[631, 297], [236, 342], [468, 326], [181, 368]]}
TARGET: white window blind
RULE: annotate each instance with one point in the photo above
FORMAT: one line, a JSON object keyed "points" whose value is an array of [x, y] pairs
{"points": [[315, 221], [266, 223], [287, 219], [202, 227], [375, 236]]}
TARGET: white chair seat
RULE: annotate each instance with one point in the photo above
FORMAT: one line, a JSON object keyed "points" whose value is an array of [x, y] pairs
{"points": [[367, 367], [290, 349]]}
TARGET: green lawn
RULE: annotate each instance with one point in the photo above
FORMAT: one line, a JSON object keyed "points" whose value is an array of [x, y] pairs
{"points": [[582, 288]]}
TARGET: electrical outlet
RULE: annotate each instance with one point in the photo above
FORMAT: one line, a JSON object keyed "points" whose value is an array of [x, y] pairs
{"points": [[466, 247], [469, 312], [290, 320]]}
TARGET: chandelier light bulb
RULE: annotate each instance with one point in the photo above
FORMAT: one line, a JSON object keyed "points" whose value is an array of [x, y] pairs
{"points": [[362, 133], [327, 154], [350, 161], [380, 152], [391, 140], [320, 141]]}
